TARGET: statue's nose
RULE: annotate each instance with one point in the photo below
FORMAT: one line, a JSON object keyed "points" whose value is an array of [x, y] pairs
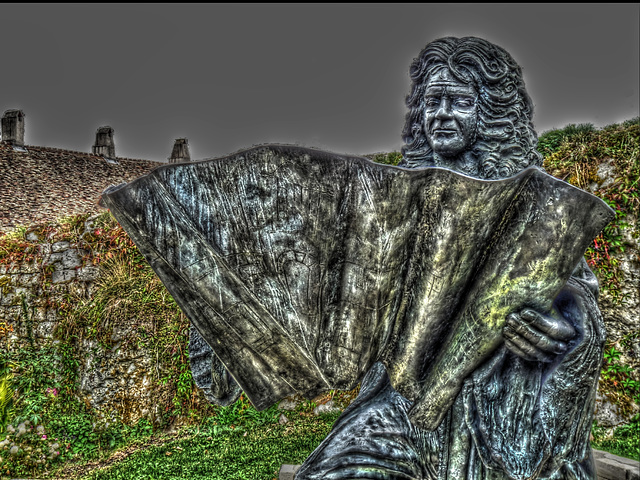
{"points": [[444, 109]]}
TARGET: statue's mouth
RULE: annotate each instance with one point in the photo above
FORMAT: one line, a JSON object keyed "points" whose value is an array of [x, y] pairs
{"points": [[445, 131]]}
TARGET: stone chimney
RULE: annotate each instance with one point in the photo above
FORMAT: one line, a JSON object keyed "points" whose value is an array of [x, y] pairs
{"points": [[104, 143], [13, 127], [180, 152]]}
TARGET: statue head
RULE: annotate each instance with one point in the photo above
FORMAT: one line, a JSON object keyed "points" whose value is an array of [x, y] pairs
{"points": [[469, 110]]}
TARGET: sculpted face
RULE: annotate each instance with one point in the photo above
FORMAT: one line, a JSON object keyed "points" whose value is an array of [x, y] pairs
{"points": [[450, 119]]}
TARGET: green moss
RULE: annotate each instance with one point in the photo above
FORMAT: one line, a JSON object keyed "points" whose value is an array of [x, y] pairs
{"points": [[5, 284], [391, 158]]}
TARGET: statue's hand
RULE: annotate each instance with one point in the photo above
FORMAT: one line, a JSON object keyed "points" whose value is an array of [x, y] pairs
{"points": [[534, 336]]}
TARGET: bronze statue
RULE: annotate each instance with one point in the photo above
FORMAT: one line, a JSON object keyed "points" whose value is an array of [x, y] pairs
{"points": [[466, 302], [527, 412]]}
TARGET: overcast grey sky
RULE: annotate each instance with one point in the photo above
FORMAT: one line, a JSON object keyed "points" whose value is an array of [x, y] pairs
{"points": [[325, 75]]}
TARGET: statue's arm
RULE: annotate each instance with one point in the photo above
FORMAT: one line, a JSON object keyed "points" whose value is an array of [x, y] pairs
{"points": [[568, 395]]}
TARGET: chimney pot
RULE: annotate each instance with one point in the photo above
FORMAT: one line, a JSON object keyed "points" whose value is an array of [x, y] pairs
{"points": [[180, 152], [13, 127], [104, 143]]}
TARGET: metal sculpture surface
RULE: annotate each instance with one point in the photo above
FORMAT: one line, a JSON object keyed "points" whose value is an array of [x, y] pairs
{"points": [[303, 270]]}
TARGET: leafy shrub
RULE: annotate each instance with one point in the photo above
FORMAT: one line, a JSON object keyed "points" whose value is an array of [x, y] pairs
{"points": [[6, 400], [27, 450], [575, 154], [624, 441], [550, 141], [33, 377], [631, 122]]}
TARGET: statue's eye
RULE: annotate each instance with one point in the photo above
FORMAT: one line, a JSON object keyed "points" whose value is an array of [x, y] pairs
{"points": [[464, 102], [432, 101]]}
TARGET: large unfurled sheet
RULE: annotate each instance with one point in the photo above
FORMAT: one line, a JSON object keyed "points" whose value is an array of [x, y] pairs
{"points": [[301, 268]]}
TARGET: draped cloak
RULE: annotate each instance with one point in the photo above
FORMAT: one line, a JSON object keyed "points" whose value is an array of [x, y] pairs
{"points": [[513, 419]]}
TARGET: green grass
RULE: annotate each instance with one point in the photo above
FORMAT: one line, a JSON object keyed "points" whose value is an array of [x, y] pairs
{"points": [[255, 446], [248, 450]]}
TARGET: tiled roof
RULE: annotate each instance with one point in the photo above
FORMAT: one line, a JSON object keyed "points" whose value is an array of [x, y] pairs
{"points": [[42, 184]]}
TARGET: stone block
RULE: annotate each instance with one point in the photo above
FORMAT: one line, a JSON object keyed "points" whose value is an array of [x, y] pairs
{"points": [[88, 274], [288, 472], [71, 259], [12, 297], [328, 407], [28, 268], [613, 467], [40, 314], [62, 276], [44, 330], [608, 414], [26, 279], [52, 258], [60, 247], [287, 404]]}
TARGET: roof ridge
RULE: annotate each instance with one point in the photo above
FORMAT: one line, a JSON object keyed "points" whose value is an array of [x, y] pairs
{"points": [[91, 154]]}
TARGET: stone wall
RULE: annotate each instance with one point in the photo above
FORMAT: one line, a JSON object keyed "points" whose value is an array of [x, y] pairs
{"points": [[622, 318], [118, 380]]}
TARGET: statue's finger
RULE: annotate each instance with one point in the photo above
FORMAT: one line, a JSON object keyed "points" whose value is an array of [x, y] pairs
{"points": [[556, 328], [514, 348], [538, 339], [527, 349], [513, 317]]}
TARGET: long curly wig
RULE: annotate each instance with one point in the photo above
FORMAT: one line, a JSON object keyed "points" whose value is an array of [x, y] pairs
{"points": [[506, 140]]}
